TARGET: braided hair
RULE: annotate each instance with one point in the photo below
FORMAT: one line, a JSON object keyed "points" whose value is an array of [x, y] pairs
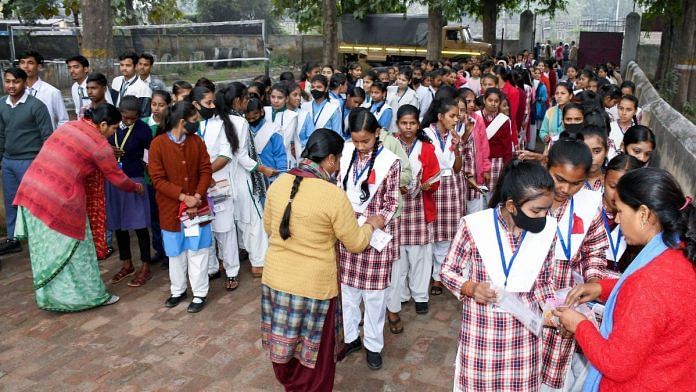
{"points": [[322, 143], [361, 119]]}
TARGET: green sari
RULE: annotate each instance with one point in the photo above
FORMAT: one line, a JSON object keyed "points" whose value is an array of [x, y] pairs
{"points": [[66, 273]]}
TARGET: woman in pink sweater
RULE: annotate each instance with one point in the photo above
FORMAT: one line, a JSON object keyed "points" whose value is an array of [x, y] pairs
{"points": [[647, 340]]}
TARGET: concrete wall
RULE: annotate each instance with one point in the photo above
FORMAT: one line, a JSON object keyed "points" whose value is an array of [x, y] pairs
{"points": [[648, 54], [675, 134]]}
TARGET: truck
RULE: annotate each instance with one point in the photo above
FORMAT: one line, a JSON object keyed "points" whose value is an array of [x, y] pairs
{"points": [[394, 38]]}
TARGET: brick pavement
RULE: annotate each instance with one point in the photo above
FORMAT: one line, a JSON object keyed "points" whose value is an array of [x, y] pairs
{"points": [[138, 345]]}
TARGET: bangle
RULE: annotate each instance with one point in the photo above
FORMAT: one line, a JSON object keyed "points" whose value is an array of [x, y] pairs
{"points": [[472, 288]]}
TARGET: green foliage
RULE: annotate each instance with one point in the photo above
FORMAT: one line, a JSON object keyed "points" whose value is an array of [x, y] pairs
{"points": [[307, 13], [134, 12], [28, 11], [669, 85], [224, 10], [653, 9]]}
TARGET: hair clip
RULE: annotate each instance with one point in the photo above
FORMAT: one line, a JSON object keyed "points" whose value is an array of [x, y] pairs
{"points": [[687, 203]]}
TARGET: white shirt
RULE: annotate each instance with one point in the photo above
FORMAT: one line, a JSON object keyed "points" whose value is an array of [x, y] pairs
{"points": [[79, 96], [135, 87], [21, 100], [425, 97], [53, 100]]}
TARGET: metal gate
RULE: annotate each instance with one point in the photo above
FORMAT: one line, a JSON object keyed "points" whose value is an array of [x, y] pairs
{"points": [[599, 48]]}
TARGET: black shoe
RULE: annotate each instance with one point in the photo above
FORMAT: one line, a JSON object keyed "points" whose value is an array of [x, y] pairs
{"points": [[157, 258], [374, 360], [421, 307], [353, 346], [214, 275], [109, 252], [173, 301], [195, 307], [10, 246]]}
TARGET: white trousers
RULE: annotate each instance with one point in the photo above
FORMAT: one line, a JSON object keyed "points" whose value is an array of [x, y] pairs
{"points": [[195, 263], [575, 375], [373, 327], [440, 250], [531, 143], [410, 276], [253, 238], [227, 243]]}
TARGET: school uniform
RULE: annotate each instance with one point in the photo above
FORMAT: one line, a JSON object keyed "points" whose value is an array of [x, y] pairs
{"points": [[270, 146], [552, 125], [616, 135], [365, 276], [135, 87], [286, 121], [80, 98], [52, 98], [617, 244], [212, 131], [367, 103], [425, 99], [248, 211], [476, 161], [409, 97], [496, 352], [411, 272], [326, 114], [155, 230], [448, 199], [474, 84], [338, 100], [501, 144], [383, 113], [581, 251]]}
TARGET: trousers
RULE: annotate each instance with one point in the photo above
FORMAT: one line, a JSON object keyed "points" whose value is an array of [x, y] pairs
{"points": [[227, 244], [440, 249], [13, 171], [410, 276], [193, 263], [375, 302]]}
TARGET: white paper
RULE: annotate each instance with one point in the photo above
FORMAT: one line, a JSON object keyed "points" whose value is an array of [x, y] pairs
{"points": [[445, 172], [146, 156], [218, 208], [192, 231], [529, 318], [577, 278], [380, 238]]}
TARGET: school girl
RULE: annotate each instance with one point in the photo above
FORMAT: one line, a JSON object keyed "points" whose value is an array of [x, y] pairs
{"points": [[321, 112], [309, 71], [247, 172], [477, 163], [627, 109], [639, 142], [411, 272], [596, 139], [499, 133], [439, 125], [180, 90], [552, 126], [284, 119], [496, 352], [181, 193], [609, 96], [355, 99], [379, 108], [370, 176], [268, 139], [126, 210], [161, 100], [580, 251], [368, 80], [401, 94], [539, 108], [221, 147]]}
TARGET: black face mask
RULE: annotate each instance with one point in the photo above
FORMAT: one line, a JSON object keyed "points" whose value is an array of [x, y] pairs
{"points": [[416, 80], [316, 94], [573, 128], [206, 113], [256, 122], [532, 225], [191, 127]]}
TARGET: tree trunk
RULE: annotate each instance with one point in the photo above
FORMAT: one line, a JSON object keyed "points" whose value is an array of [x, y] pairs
{"points": [[97, 36], [684, 56], [490, 18], [330, 50], [435, 22], [664, 59]]}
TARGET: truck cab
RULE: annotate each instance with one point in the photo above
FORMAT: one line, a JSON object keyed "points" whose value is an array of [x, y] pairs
{"points": [[457, 42]]}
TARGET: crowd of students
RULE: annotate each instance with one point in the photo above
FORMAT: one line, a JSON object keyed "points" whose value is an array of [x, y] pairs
{"points": [[428, 176]]}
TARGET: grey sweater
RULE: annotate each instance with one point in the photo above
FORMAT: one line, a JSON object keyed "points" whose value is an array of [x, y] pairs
{"points": [[24, 128]]}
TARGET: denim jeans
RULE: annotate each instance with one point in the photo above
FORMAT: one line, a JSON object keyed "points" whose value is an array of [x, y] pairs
{"points": [[13, 171]]}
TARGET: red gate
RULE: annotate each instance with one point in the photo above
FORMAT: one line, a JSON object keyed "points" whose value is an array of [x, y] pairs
{"points": [[599, 47]]}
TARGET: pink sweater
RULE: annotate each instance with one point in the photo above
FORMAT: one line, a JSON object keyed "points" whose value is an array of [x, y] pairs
{"points": [[482, 156], [653, 342]]}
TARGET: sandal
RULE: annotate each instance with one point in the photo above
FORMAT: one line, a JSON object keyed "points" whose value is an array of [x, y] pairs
{"points": [[122, 274], [436, 289], [394, 325], [140, 280], [232, 283]]}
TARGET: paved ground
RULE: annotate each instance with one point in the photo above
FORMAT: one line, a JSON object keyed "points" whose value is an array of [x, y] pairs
{"points": [[138, 345]]}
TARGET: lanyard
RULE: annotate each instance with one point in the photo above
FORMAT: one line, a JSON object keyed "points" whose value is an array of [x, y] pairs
{"points": [[357, 175], [559, 119], [440, 140], [201, 133], [613, 246], [568, 249], [401, 97], [409, 150], [125, 139], [506, 266], [588, 185], [124, 86], [316, 118]]}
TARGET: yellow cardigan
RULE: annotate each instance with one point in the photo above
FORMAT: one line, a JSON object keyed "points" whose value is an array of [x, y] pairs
{"points": [[305, 264]]}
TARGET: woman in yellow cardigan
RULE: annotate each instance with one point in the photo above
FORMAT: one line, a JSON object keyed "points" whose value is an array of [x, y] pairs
{"points": [[305, 215]]}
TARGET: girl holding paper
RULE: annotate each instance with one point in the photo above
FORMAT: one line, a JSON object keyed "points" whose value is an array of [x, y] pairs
{"points": [[180, 169], [477, 163], [370, 176], [645, 341], [581, 244], [411, 272], [439, 125], [496, 351]]}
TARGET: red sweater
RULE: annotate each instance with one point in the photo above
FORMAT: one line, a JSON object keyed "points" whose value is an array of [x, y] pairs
{"points": [[653, 342], [431, 167], [500, 145]]}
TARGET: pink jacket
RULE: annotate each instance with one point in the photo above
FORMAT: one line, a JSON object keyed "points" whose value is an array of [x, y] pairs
{"points": [[482, 156]]}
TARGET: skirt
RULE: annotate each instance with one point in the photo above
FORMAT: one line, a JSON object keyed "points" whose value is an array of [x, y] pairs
{"points": [[127, 210], [65, 270], [449, 208]]}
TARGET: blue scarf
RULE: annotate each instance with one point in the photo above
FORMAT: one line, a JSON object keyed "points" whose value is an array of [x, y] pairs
{"points": [[654, 248]]}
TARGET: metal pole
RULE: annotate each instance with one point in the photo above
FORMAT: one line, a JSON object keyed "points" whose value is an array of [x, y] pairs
{"points": [[12, 45], [266, 53]]}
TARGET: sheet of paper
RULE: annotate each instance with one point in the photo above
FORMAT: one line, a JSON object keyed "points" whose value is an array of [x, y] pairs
{"points": [[380, 239], [529, 318], [146, 156], [193, 231]]}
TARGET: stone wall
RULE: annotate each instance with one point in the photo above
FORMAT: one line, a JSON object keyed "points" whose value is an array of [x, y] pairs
{"points": [[675, 134]]}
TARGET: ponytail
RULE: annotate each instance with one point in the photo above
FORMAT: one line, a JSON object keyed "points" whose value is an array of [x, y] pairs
{"points": [[223, 110], [285, 222], [360, 120]]}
